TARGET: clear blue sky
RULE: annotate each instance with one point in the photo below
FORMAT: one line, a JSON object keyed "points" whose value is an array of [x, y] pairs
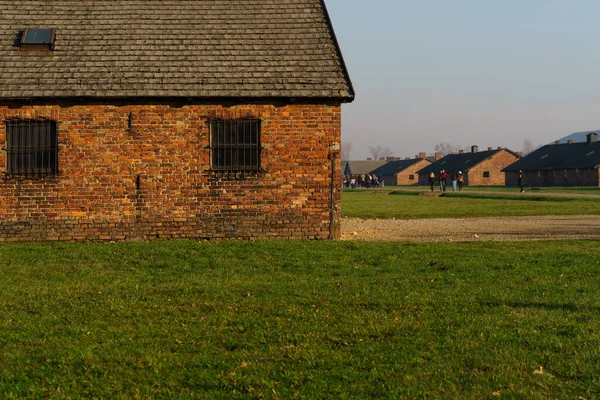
{"points": [[468, 72]]}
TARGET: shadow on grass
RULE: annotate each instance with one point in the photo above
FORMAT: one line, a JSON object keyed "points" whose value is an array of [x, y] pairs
{"points": [[540, 306], [486, 196]]}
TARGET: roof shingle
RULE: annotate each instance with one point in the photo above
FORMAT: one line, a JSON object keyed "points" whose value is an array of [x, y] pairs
{"points": [[173, 48], [393, 167], [560, 156], [459, 162]]}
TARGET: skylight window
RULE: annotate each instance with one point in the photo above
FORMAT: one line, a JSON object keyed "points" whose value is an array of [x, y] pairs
{"points": [[590, 153], [468, 161], [40, 38], [544, 156]]}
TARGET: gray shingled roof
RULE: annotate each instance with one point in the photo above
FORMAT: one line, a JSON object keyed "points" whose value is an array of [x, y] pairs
{"points": [[173, 48], [362, 166], [560, 156], [460, 162], [391, 168]]}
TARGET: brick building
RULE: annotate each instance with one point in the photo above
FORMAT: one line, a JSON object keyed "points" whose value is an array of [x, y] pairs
{"points": [[402, 172], [123, 120], [355, 168], [566, 164], [480, 168]]}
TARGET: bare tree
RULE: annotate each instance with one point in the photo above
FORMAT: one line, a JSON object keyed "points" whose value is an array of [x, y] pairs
{"points": [[528, 146], [346, 151], [446, 148], [380, 152]]}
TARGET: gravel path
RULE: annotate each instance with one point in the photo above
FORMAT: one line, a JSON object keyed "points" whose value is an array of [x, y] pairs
{"points": [[473, 229]]}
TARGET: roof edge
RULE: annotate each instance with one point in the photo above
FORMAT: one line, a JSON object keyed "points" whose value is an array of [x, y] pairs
{"points": [[338, 51], [179, 100]]}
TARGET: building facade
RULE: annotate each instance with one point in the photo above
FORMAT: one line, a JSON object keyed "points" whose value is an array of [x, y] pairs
{"points": [[401, 172], [559, 164], [479, 168], [146, 134]]}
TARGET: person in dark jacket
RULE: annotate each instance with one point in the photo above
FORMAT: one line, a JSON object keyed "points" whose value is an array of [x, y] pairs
{"points": [[431, 180], [454, 177], [520, 179]]}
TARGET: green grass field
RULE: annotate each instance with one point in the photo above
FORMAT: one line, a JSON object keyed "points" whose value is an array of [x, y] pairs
{"points": [[364, 203], [588, 190], [300, 319]]}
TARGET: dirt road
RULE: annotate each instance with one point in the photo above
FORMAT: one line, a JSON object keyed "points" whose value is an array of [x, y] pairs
{"points": [[472, 229]]}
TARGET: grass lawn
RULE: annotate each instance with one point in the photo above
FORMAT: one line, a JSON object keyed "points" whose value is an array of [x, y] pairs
{"points": [[589, 190], [408, 204], [300, 319]]}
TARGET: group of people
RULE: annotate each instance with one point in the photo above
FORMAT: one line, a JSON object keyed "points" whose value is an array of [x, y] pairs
{"points": [[364, 180], [457, 179]]}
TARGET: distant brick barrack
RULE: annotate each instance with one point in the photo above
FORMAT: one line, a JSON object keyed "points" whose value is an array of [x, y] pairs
{"points": [[135, 149]]}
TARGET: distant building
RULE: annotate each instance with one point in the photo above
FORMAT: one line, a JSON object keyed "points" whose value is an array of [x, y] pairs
{"points": [[480, 168], [401, 172], [576, 137], [569, 164], [362, 167]]}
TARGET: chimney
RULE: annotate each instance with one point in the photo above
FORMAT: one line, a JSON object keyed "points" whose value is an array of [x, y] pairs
{"points": [[474, 149], [557, 142], [369, 159], [461, 151], [422, 155], [489, 149], [437, 156], [592, 137], [569, 141], [519, 153], [499, 147]]}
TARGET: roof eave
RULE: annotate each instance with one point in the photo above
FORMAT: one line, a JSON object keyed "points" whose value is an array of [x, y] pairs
{"points": [[339, 52], [178, 99]]}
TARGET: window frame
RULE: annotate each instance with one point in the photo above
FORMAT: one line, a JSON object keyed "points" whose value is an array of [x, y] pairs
{"points": [[39, 44], [486, 174], [31, 148], [235, 146]]}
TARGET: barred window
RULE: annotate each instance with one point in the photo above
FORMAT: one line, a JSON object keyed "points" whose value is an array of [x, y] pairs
{"points": [[31, 148], [486, 174], [235, 145]]}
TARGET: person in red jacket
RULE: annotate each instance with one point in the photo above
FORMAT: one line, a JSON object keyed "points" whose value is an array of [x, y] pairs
{"points": [[443, 178]]}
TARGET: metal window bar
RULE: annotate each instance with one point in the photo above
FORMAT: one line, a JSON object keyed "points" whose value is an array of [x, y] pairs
{"points": [[32, 148], [235, 146]]}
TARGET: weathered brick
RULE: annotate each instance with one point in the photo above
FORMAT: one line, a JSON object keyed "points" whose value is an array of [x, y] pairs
{"points": [[95, 197]]}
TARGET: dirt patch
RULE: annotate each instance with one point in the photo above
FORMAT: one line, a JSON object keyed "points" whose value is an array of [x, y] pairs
{"points": [[473, 229]]}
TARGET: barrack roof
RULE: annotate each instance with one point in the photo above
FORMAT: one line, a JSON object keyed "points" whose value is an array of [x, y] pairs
{"points": [[173, 48]]}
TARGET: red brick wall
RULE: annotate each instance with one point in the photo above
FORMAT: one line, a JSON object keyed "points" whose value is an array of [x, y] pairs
{"points": [[493, 165], [95, 196], [403, 177], [561, 177]]}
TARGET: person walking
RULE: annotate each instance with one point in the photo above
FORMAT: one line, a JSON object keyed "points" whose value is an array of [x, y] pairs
{"points": [[520, 179], [431, 180], [461, 180], [454, 176], [443, 178]]}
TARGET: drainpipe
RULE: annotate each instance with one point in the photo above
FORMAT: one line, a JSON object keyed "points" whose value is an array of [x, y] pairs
{"points": [[334, 149]]}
